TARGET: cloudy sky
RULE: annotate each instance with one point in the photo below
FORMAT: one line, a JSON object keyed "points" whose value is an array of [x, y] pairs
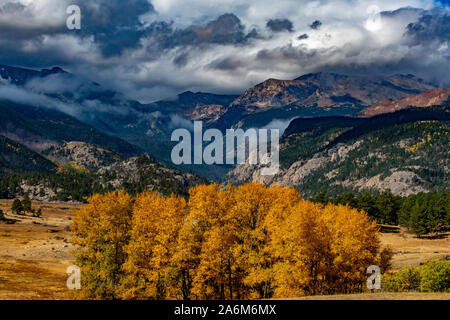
{"points": [[154, 49]]}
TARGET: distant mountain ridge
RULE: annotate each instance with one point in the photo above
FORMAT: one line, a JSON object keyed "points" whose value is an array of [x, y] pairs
{"points": [[20, 76], [426, 99], [330, 90], [75, 170], [318, 94], [40, 128]]}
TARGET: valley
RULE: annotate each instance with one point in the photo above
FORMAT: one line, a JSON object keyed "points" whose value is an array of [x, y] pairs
{"points": [[243, 151], [35, 253]]}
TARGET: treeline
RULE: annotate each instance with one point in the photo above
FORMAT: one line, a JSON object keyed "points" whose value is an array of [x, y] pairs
{"points": [[422, 214], [246, 242], [70, 185], [75, 185]]}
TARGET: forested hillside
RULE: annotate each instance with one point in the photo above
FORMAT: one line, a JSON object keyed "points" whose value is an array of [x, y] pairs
{"points": [[41, 128], [16, 158], [74, 183], [406, 152]]}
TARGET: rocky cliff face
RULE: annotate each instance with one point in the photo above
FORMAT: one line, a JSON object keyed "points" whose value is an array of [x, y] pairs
{"points": [[83, 155], [145, 171], [114, 169]]}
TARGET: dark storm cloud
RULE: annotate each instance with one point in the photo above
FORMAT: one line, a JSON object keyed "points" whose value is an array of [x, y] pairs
{"points": [[288, 55], [254, 34], [316, 25], [280, 25], [114, 27], [181, 60], [226, 29], [14, 7], [225, 64], [15, 53], [152, 49], [13, 30], [432, 26], [302, 37]]}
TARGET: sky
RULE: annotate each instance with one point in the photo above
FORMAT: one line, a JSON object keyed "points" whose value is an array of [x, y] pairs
{"points": [[152, 50]]}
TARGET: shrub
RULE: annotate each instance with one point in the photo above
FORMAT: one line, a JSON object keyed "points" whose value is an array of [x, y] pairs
{"points": [[406, 279], [2, 216], [37, 213], [435, 276]]}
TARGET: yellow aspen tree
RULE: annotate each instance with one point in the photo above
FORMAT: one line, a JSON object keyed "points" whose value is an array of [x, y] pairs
{"points": [[355, 246], [156, 223], [300, 246], [253, 202], [214, 233], [324, 250], [101, 232]]}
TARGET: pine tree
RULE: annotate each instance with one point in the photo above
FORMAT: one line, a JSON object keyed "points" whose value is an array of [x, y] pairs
{"points": [[17, 207]]}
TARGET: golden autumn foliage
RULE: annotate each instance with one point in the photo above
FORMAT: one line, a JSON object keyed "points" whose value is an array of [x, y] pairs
{"points": [[324, 250], [246, 242], [155, 226], [102, 231]]}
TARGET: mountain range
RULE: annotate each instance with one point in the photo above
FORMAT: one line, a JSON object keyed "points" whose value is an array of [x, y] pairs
{"points": [[57, 119]]}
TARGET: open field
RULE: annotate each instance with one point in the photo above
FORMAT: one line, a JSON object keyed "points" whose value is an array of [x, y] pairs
{"points": [[35, 253], [412, 251]]}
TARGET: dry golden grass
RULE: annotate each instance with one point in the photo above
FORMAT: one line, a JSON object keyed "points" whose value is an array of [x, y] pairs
{"points": [[383, 296], [31, 279], [412, 251], [35, 253]]}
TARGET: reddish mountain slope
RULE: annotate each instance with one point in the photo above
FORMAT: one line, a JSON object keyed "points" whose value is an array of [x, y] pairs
{"points": [[425, 99]]}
